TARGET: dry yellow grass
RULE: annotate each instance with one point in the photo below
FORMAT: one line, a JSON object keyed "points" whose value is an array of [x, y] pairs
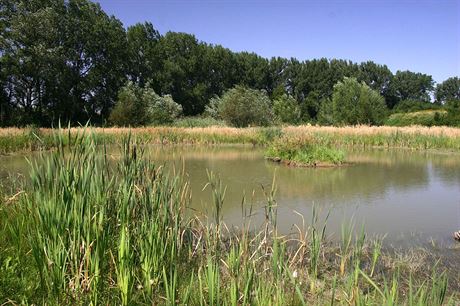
{"points": [[417, 137], [230, 131], [376, 130]]}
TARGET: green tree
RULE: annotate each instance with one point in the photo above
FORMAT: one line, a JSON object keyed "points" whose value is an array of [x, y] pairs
{"points": [[407, 85], [64, 60], [241, 107], [212, 109], [353, 103], [163, 110], [414, 105], [287, 109], [138, 106], [144, 54], [453, 112], [185, 71], [377, 77], [448, 90], [132, 104]]}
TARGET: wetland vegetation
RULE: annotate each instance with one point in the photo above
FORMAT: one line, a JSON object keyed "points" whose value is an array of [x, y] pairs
{"points": [[94, 232], [88, 216], [303, 153]]}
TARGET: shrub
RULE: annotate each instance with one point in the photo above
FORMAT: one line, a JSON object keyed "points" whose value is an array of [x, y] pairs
{"points": [[241, 106], [425, 118], [142, 106], [414, 105], [163, 110], [212, 109], [453, 112], [130, 109], [353, 103], [303, 152], [287, 109]]}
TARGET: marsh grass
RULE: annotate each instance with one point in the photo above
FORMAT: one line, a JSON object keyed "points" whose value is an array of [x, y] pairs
{"points": [[304, 152], [87, 231], [414, 137]]}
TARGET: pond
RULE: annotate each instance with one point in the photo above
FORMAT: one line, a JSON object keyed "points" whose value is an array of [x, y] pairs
{"points": [[407, 195]]}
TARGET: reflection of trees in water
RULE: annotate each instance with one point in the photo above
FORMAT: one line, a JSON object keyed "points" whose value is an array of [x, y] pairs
{"points": [[373, 174], [242, 168], [231, 153], [447, 168], [365, 182]]}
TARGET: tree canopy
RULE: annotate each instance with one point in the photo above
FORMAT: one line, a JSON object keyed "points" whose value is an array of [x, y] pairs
{"points": [[68, 60], [353, 103]]}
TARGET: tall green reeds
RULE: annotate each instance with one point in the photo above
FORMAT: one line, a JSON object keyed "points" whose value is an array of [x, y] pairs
{"points": [[88, 229]]}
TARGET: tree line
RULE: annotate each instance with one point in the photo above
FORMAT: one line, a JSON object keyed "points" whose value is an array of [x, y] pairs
{"points": [[67, 60]]}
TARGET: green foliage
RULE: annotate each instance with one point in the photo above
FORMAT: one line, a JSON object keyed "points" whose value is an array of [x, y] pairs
{"points": [[131, 107], [191, 122], [67, 61], [142, 106], [287, 109], [448, 90], [88, 230], [241, 106], [453, 112], [414, 105], [269, 134], [304, 153], [64, 60], [407, 85], [353, 103], [425, 118], [163, 110], [212, 108]]}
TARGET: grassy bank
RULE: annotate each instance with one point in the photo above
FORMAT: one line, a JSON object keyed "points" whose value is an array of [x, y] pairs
{"points": [[88, 231], [417, 137], [303, 153], [423, 118]]}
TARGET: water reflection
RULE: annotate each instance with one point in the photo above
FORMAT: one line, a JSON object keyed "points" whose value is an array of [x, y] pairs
{"points": [[391, 191]]}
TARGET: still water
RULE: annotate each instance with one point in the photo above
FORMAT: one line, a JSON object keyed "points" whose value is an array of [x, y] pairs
{"points": [[401, 193]]}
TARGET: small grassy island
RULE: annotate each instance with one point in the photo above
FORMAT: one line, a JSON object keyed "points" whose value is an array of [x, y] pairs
{"points": [[301, 153]]}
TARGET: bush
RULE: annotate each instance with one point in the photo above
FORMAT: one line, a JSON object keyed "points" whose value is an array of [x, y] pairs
{"points": [[425, 118], [163, 110], [241, 107], [303, 152], [212, 109], [453, 112], [353, 103], [142, 106], [130, 109], [414, 105], [287, 109]]}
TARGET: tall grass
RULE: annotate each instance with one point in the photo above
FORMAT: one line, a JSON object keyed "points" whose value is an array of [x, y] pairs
{"points": [[304, 152], [415, 137], [89, 230]]}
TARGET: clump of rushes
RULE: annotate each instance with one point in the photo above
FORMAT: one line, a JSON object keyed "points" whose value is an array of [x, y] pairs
{"points": [[304, 153]]}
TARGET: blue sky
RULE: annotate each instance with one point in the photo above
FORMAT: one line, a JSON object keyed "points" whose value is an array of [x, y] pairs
{"points": [[421, 36]]}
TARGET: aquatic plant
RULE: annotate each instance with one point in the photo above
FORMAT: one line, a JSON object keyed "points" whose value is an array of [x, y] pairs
{"points": [[302, 152], [90, 230]]}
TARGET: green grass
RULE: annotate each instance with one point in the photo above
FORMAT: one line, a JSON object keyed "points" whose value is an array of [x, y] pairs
{"points": [[304, 153], [424, 118], [191, 122], [86, 230]]}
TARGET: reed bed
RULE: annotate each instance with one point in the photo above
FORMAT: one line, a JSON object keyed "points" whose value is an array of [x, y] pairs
{"points": [[87, 231], [414, 137]]}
